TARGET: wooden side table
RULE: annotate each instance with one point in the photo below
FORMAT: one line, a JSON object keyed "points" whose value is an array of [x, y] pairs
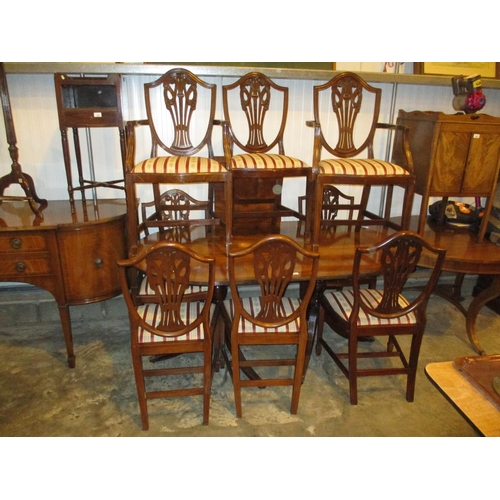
{"points": [[454, 155]]}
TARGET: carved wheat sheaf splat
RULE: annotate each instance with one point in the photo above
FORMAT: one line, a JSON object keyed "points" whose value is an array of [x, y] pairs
{"points": [[330, 199], [168, 276], [255, 96], [181, 95], [273, 264], [346, 103], [398, 261], [174, 206]]}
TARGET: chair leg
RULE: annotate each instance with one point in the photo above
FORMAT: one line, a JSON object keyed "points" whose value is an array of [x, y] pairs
{"points": [[388, 203], [390, 343], [141, 390], [236, 377], [207, 381], [297, 379], [413, 364], [353, 369]]}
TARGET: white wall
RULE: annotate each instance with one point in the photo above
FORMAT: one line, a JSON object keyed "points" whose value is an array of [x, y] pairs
{"points": [[38, 138]]}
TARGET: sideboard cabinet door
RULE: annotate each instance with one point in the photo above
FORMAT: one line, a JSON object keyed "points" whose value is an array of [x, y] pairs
{"points": [[89, 256]]}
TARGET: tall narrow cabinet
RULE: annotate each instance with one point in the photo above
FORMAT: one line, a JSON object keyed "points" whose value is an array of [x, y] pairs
{"points": [[454, 156], [88, 102]]}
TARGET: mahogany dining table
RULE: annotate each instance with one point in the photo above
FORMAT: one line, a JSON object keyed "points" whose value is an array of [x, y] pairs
{"points": [[336, 251], [465, 254]]}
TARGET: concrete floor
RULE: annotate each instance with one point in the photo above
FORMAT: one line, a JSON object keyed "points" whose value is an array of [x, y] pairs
{"points": [[41, 396]]}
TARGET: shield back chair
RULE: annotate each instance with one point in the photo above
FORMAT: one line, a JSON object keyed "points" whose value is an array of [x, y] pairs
{"points": [[268, 317], [346, 113], [255, 116], [359, 313], [170, 317], [181, 125], [170, 206], [332, 199]]}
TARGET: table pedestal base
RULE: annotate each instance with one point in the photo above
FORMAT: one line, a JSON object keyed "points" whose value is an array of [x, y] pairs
{"points": [[479, 301]]}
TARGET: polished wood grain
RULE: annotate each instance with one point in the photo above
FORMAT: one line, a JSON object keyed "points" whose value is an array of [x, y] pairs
{"points": [[465, 251], [336, 250], [71, 253], [477, 409]]}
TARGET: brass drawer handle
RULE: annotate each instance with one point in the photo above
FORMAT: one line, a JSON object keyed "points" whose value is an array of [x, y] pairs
{"points": [[20, 267], [16, 243], [98, 263]]}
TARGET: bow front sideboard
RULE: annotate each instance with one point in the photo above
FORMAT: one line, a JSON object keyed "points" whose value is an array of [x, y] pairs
{"points": [[71, 255]]}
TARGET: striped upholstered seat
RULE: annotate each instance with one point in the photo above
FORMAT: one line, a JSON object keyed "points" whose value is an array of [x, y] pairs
{"points": [[266, 161], [253, 306], [342, 303], [189, 311], [360, 167], [178, 165]]}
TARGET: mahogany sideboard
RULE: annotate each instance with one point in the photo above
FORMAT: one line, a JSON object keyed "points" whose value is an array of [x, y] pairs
{"points": [[71, 255]]}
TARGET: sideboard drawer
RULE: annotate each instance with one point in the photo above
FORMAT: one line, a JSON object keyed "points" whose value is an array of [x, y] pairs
{"points": [[25, 254], [18, 267], [29, 242]]}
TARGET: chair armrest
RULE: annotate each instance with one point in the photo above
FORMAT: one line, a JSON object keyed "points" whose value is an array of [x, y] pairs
{"points": [[317, 144], [227, 141], [130, 141], [135, 123], [401, 152], [312, 123]]}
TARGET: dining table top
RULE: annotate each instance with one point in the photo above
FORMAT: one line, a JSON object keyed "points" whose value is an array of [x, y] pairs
{"points": [[335, 261], [464, 252]]}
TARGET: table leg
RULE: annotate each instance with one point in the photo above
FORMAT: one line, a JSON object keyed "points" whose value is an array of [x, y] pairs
{"points": [[490, 293], [68, 335], [455, 297]]}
